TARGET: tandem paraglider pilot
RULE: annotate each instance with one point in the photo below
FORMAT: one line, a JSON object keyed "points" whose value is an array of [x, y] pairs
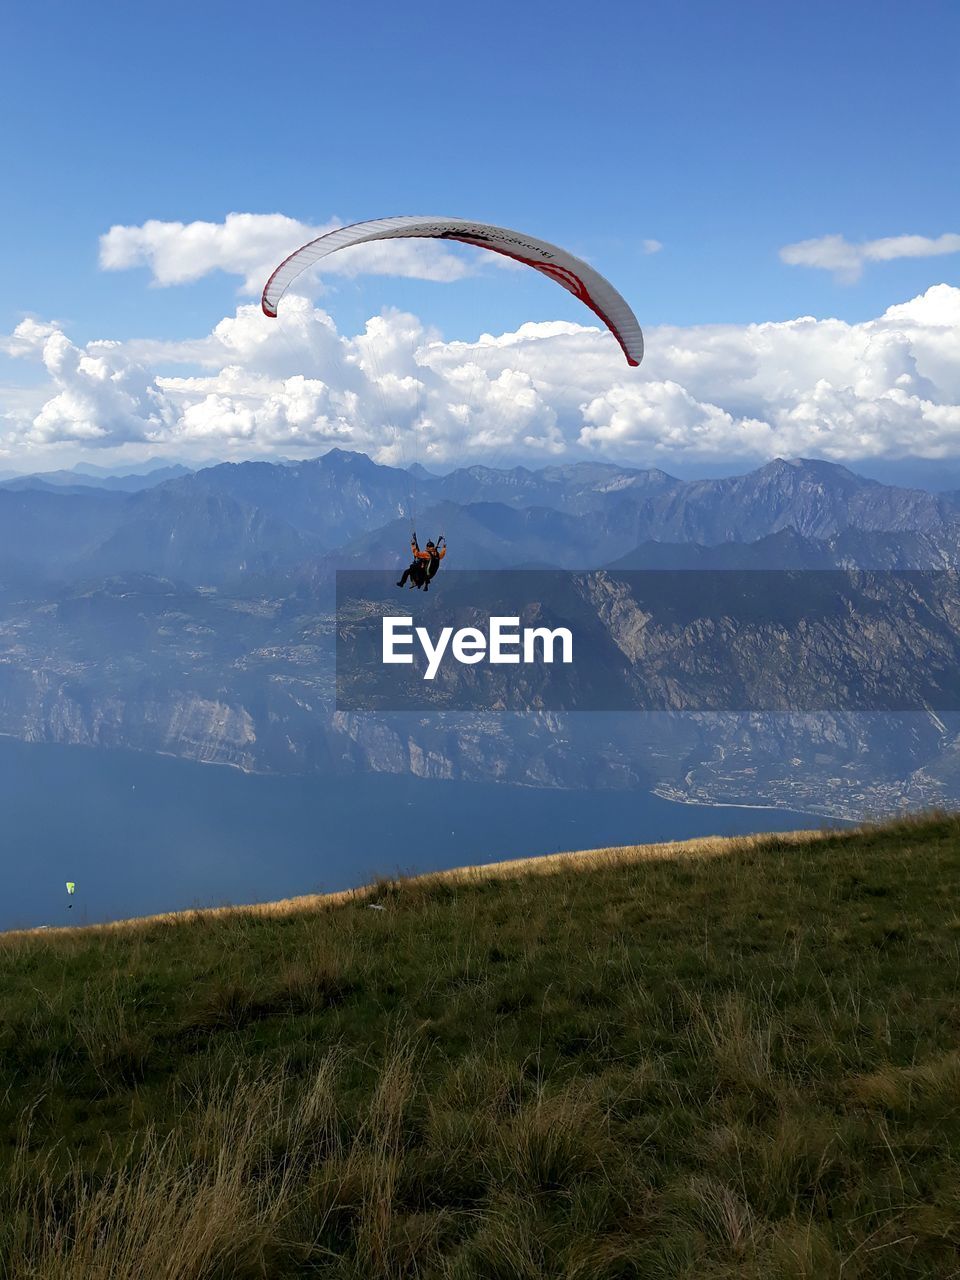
{"points": [[423, 568]]}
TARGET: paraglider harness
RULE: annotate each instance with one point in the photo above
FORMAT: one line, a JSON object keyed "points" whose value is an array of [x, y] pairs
{"points": [[425, 564]]}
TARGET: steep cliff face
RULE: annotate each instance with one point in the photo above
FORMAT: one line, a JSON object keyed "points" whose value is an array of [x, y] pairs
{"points": [[249, 683], [48, 706], [849, 766]]}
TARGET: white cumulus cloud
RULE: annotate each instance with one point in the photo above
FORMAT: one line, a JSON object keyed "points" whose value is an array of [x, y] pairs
{"points": [[887, 387], [100, 396], [250, 245], [847, 260]]}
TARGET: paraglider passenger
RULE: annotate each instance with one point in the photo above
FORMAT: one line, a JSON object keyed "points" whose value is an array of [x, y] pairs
{"points": [[435, 552], [414, 572]]}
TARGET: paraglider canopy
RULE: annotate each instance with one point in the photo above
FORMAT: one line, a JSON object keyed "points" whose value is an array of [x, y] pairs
{"points": [[71, 886], [576, 276]]}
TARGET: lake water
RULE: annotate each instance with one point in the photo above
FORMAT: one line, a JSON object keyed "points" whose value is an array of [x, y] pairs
{"points": [[140, 834]]}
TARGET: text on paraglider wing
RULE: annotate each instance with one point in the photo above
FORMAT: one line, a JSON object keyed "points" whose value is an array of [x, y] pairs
{"points": [[504, 642]]}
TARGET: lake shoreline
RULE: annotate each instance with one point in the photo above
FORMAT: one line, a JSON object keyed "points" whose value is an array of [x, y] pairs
{"points": [[143, 834]]}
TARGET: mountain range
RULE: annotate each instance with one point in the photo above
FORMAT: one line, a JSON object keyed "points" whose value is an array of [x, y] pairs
{"points": [[230, 522]]}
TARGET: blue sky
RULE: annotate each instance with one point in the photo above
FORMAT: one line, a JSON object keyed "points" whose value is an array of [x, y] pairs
{"points": [[725, 132]]}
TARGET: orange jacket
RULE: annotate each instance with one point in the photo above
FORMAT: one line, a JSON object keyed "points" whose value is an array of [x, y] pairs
{"points": [[425, 555]]}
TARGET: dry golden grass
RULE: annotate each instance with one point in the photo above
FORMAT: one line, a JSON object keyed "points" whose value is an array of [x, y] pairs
{"points": [[176, 1206], [549, 864]]}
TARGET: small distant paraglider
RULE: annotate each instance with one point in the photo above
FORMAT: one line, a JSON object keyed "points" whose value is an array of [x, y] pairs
{"points": [[71, 890]]}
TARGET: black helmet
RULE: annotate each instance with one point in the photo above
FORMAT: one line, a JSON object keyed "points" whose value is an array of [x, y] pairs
{"points": [[430, 544]]}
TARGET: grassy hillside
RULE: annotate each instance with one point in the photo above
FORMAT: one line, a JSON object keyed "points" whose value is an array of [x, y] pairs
{"points": [[724, 1059]]}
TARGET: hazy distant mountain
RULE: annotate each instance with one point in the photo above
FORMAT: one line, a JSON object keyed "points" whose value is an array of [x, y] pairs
{"points": [[577, 489], [76, 479], [47, 534], [332, 498], [818, 499], [421, 473], [199, 536], [146, 467], [787, 549], [234, 520], [137, 480]]}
